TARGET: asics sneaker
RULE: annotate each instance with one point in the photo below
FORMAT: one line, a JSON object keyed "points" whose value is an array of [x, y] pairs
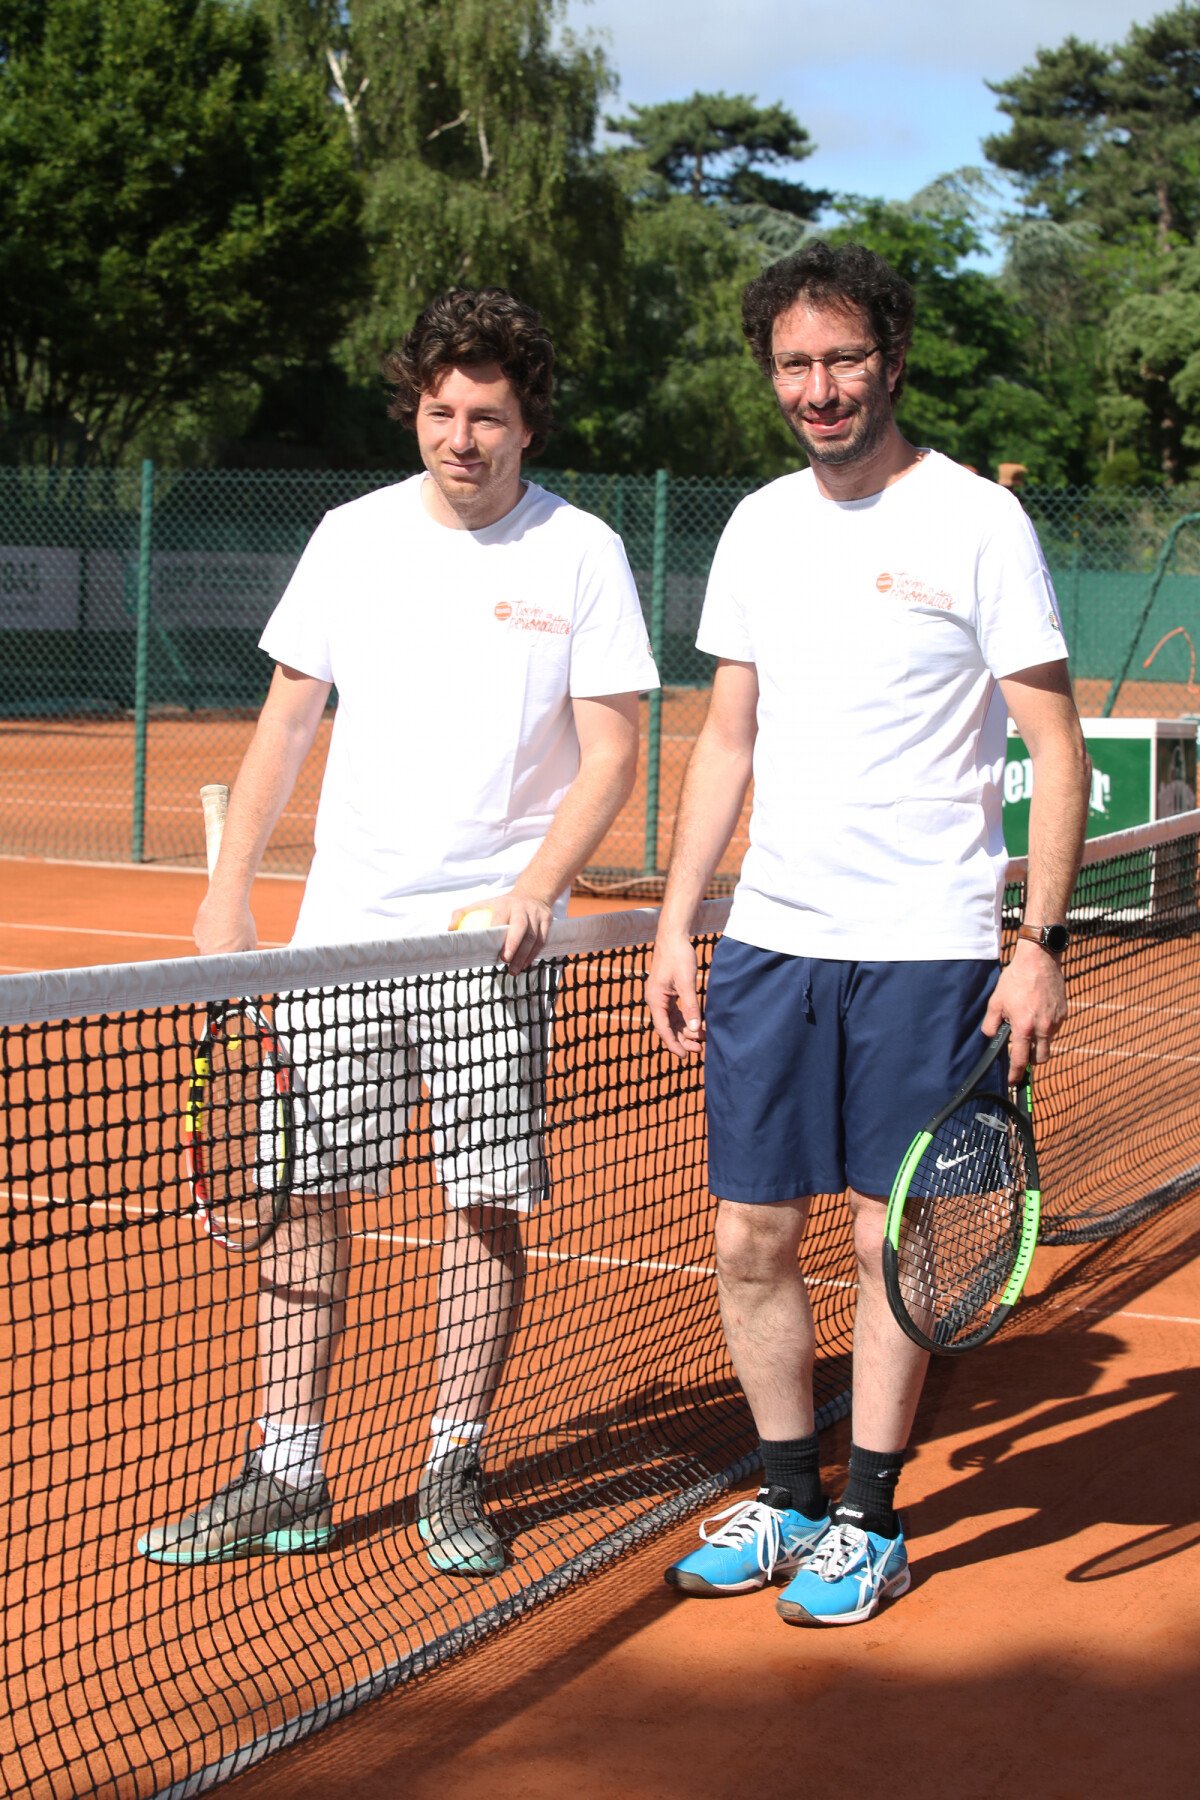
{"points": [[752, 1542], [845, 1578]]}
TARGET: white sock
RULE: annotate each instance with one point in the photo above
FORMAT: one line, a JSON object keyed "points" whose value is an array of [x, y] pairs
{"points": [[291, 1453], [453, 1434]]}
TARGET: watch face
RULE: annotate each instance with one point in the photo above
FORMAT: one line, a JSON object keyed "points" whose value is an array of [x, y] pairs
{"points": [[1055, 937]]}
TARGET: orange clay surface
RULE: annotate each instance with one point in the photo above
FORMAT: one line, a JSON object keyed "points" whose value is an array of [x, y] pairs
{"points": [[65, 915], [1049, 1648], [67, 785]]}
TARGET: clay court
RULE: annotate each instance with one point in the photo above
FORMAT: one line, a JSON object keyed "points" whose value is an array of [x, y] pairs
{"points": [[87, 787], [1049, 1643], [91, 788]]}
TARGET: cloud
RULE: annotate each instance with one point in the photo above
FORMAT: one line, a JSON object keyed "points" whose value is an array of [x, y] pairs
{"points": [[892, 97], [777, 49]]}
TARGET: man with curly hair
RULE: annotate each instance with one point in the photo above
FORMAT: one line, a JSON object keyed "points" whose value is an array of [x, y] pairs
{"points": [[875, 617], [488, 648]]}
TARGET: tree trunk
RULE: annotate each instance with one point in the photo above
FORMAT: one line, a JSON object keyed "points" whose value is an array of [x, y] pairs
{"points": [[1166, 218]]}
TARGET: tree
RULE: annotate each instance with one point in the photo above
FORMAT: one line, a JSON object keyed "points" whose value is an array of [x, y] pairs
{"points": [[713, 145], [966, 393], [177, 217], [1153, 345], [1105, 145], [477, 130], [1110, 136], [677, 389]]}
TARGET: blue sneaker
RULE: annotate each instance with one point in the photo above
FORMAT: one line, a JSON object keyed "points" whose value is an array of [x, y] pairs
{"points": [[845, 1578], [754, 1542]]}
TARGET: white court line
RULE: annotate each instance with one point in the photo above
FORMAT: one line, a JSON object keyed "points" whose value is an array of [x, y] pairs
{"points": [[160, 937], [408, 1239], [412, 1242], [1100, 1312], [132, 868], [561, 1256], [156, 937]]}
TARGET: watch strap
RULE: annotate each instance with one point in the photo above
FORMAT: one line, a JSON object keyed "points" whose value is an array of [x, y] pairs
{"points": [[1054, 938]]}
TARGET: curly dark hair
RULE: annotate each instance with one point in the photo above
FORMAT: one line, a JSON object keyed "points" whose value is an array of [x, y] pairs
{"points": [[831, 275], [463, 328]]}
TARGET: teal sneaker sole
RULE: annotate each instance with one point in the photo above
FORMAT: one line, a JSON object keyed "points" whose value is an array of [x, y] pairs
{"points": [[448, 1561], [292, 1541]]}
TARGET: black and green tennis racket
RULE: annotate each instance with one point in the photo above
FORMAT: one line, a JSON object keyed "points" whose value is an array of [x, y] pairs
{"points": [[962, 1219], [239, 1124], [239, 1127]]}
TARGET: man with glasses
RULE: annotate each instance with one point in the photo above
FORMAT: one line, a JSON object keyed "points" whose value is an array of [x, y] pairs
{"points": [[875, 617]]}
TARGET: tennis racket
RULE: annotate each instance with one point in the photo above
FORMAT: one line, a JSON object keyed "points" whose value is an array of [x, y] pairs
{"points": [[238, 1119], [962, 1219]]}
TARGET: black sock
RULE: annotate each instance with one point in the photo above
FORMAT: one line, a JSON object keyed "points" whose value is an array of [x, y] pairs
{"points": [[792, 1475], [870, 1497]]}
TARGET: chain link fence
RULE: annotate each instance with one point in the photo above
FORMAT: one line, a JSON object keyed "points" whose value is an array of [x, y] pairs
{"points": [[131, 603]]}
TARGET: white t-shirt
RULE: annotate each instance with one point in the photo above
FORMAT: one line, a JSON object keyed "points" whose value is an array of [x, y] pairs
{"points": [[456, 656], [878, 629]]}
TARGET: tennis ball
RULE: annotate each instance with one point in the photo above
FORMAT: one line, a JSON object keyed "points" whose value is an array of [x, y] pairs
{"points": [[478, 919]]}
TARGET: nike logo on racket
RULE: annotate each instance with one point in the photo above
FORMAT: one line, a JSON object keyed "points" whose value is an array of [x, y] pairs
{"points": [[952, 1162]]}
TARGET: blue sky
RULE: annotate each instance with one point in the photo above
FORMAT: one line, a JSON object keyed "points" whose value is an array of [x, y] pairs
{"points": [[893, 96]]}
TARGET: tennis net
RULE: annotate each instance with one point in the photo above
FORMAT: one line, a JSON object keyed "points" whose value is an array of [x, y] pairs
{"points": [[1117, 1108], [130, 1333]]}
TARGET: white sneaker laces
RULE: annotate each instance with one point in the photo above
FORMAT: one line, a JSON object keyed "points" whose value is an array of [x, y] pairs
{"points": [[838, 1550], [750, 1522]]}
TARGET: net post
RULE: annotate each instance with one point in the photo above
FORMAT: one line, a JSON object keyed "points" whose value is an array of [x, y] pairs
{"points": [[141, 690], [658, 610]]}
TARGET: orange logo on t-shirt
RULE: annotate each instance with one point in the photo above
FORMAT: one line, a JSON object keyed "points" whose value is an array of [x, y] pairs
{"points": [[913, 591], [525, 616]]}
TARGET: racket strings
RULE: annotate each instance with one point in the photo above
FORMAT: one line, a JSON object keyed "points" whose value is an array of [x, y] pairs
{"points": [[241, 1129], [960, 1233]]}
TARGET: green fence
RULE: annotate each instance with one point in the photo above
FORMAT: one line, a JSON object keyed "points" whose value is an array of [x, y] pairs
{"points": [[131, 602]]}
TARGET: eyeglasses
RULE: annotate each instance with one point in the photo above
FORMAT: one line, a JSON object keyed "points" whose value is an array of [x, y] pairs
{"points": [[793, 370]]}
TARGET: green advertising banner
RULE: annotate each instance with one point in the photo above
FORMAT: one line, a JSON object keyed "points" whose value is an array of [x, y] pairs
{"points": [[1142, 769]]}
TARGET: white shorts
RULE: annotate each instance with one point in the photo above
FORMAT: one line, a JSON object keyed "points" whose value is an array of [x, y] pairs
{"points": [[476, 1040]]}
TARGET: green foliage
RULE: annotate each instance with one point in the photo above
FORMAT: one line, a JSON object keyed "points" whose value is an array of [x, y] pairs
{"points": [[713, 146], [1111, 135], [176, 219], [678, 389], [1105, 145], [476, 138], [966, 394], [303, 32], [1122, 470], [1153, 344], [217, 215]]}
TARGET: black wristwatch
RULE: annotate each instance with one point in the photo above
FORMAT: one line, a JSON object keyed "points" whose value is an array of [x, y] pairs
{"points": [[1054, 938]]}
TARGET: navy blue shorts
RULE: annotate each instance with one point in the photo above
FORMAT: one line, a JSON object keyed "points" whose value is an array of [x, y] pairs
{"points": [[819, 1074]]}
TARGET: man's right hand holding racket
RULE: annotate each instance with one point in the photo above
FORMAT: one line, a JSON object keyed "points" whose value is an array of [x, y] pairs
{"points": [[1031, 992], [1031, 995]]}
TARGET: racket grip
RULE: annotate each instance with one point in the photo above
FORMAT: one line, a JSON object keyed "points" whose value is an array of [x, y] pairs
{"points": [[214, 799]]}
